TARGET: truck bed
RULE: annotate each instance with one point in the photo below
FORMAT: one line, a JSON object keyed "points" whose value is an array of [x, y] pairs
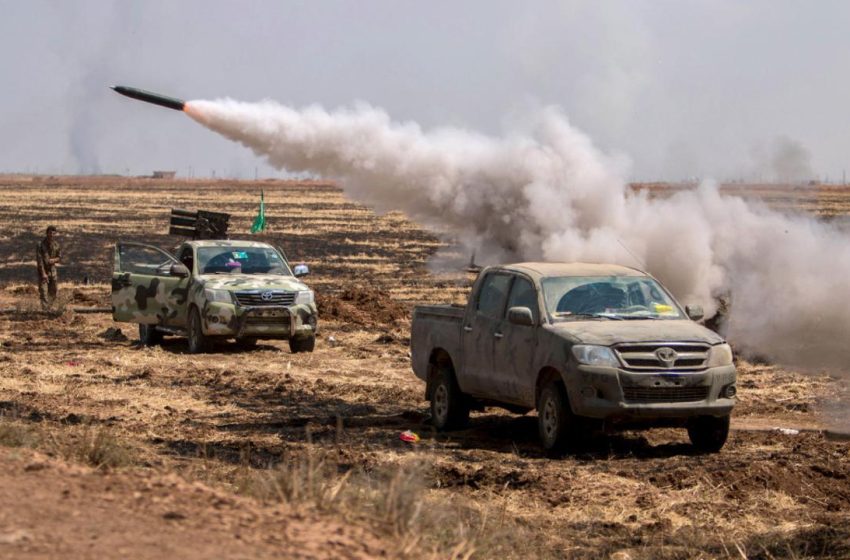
{"points": [[434, 327]]}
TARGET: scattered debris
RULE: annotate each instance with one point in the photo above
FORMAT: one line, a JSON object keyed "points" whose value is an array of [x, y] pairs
{"points": [[409, 436], [114, 334], [385, 338], [787, 431]]}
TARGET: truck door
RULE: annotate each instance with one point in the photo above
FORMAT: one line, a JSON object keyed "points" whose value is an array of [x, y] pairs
{"points": [[482, 318], [144, 288], [514, 351]]}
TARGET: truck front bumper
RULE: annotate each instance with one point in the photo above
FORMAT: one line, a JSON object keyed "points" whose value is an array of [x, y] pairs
{"points": [[268, 321], [612, 393]]}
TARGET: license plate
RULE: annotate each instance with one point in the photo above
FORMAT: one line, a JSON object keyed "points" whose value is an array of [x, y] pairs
{"points": [[271, 313]]}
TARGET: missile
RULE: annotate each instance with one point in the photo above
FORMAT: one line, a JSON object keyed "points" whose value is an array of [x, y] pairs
{"points": [[151, 97]]}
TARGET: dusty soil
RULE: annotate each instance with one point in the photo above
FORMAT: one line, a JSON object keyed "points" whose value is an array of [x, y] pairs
{"points": [[266, 453], [52, 509]]}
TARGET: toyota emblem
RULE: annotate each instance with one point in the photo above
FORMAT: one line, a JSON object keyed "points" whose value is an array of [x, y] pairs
{"points": [[666, 356], [267, 296]]}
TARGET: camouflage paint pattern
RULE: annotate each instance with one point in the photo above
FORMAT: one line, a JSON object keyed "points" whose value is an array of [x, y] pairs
{"points": [[167, 300]]}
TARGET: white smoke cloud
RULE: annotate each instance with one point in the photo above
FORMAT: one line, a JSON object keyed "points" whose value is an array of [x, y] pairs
{"points": [[547, 193]]}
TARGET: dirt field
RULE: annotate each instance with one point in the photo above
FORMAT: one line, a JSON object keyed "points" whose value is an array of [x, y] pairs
{"points": [[109, 449]]}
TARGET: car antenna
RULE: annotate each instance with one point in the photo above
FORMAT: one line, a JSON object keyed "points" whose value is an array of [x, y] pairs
{"points": [[629, 251]]}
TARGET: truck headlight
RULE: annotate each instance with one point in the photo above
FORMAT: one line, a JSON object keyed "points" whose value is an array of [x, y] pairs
{"points": [[304, 297], [221, 296], [720, 355], [592, 355]]}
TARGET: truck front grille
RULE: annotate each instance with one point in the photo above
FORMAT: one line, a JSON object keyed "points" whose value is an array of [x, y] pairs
{"points": [[260, 297], [266, 321], [665, 394], [650, 356]]}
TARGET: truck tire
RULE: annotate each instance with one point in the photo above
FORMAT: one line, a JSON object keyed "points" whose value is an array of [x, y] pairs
{"points": [[198, 341], [149, 336], [449, 406], [708, 434], [555, 420], [307, 344]]}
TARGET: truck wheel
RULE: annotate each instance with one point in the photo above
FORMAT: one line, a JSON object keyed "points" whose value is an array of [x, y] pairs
{"points": [[708, 433], [149, 336], [449, 406], [297, 345], [555, 420], [198, 341]]}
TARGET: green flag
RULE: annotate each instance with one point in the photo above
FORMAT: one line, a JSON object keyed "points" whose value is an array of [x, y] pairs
{"points": [[260, 221]]}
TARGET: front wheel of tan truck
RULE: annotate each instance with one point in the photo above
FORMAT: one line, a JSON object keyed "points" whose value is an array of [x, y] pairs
{"points": [[708, 434], [555, 422]]}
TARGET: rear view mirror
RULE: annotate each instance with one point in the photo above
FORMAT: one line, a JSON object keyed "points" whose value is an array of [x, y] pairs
{"points": [[521, 316], [695, 312], [178, 269], [301, 270]]}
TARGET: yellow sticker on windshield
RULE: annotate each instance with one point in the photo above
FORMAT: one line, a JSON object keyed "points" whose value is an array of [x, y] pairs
{"points": [[663, 309]]}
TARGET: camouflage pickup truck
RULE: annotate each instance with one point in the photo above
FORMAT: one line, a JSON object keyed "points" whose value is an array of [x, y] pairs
{"points": [[586, 345], [211, 290]]}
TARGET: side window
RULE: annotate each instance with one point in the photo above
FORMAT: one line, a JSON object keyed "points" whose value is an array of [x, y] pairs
{"points": [[138, 259], [491, 297], [523, 295]]}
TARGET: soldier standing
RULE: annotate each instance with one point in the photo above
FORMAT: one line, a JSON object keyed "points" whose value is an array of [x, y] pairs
{"points": [[47, 257]]}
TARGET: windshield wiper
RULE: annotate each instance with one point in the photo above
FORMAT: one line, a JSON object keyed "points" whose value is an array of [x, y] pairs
{"points": [[590, 316]]}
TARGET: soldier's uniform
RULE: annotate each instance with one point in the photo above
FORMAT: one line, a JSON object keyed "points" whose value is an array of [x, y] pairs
{"points": [[46, 252]]}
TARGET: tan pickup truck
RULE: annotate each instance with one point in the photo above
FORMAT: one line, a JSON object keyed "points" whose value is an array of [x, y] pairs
{"points": [[584, 345]]}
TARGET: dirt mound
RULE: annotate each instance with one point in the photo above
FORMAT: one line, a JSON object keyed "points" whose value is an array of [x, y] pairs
{"points": [[362, 306]]}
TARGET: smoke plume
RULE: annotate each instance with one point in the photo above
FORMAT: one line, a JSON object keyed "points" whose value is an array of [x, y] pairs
{"points": [[546, 193], [782, 161]]}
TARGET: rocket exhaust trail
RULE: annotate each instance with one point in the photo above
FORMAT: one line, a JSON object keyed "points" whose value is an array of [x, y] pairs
{"points": [[545, 192], [151, 97]]}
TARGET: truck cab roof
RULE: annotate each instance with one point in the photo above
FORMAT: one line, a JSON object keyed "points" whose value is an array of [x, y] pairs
{"points": [[547, 269], [225, 243]]}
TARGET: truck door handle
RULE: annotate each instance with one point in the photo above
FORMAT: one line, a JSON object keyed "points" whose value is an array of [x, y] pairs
{"points": [[467, 328], [498, 335]]}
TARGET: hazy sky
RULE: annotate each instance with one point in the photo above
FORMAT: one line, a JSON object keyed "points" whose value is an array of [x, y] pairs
{"points": [[703, 88]]}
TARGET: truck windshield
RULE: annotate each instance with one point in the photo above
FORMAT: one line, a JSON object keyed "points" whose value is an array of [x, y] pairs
{"points": [[241, 260], [571, 298]]}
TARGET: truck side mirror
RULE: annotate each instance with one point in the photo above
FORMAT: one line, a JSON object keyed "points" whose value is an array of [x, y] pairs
{"points": [[301, 270], [179, 269], [695, 312], [521, 316]]}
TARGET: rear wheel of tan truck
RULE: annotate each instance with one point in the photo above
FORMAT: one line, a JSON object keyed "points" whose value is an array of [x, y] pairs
{"points": [[449, 406], [708, 433]]}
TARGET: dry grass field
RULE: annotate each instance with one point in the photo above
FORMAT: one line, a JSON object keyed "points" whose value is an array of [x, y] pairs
{"points": [[109, 449]]}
